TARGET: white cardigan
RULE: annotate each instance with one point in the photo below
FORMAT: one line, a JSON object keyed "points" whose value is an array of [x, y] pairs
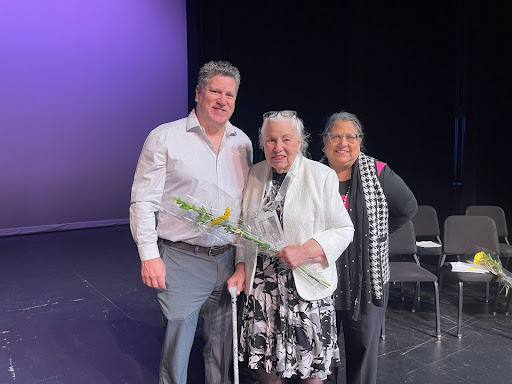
{"points": [[312, 209]]}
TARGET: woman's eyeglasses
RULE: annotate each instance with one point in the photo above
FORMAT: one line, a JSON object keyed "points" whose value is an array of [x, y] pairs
{"points": [[336, 137], [285, 113]]}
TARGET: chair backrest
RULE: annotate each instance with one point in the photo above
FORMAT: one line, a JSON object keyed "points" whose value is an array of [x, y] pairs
{"points": [[403, 240], [425, 222], [495, 212], [463, 232]]}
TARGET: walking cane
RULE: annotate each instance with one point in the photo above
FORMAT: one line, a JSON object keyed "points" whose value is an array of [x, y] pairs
{"points": [[232, 291]]}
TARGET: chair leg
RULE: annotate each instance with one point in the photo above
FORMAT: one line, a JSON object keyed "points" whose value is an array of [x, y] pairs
{"points": [[459, 322], [495, 304], [440, 263], [487, 292], [438, 314], [416, 297], [440, 277], [507, 308], [383, 328]]}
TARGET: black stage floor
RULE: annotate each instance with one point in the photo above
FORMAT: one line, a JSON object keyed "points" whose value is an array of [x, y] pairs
{"points": [[74, 310]]}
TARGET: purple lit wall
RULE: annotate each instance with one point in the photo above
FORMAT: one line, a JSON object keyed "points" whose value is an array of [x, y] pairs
{"points": [[81, 85]]}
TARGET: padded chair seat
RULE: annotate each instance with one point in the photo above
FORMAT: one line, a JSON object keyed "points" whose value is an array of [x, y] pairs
{"points": [[474, 277], [409, 271]]}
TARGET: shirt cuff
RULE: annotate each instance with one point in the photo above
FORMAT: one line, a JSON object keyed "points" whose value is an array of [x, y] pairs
{"points": [[149, 251]]}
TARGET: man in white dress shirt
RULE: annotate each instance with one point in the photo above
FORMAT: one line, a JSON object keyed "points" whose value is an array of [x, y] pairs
{"points": [[204, 157]]}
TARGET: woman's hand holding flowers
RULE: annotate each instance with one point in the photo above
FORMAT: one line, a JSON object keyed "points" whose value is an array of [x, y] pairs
{"points": [[297, 255]]}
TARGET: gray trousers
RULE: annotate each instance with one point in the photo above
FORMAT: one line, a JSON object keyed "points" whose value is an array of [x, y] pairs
{"points": [[196, 287]]}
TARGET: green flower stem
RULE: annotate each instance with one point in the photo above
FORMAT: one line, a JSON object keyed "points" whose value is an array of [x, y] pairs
{"points": [[314, 276], [204, 217], [239, 231]]}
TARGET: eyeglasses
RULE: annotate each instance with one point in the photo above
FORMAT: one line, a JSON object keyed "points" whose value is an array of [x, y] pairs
{"points": [[285, 113], [350, 137]]}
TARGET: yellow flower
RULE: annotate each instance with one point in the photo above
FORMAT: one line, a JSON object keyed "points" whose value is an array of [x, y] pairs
{"points": [[479, 258], [221, 219]]}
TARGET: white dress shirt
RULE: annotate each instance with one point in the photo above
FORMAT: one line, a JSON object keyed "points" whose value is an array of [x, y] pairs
{"points": [[178, 160]]}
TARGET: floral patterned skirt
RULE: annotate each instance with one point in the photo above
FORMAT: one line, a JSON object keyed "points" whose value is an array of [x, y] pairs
{"points": [[283, 333]]}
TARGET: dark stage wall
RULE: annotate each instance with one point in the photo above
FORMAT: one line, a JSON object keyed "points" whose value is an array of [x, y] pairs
{"points": [[81, 85], [407, 69]]}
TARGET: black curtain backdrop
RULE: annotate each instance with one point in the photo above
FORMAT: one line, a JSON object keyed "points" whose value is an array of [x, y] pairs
{"points": [[407, 69]]}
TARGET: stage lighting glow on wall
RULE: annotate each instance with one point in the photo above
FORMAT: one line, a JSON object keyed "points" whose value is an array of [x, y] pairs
{"points": [[82, 84]]}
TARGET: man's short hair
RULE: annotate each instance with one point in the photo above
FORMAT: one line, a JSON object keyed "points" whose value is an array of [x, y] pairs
{"points": [[217, 68]]}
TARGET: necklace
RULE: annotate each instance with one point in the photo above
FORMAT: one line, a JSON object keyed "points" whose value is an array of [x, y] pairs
{"points": [[344, 197]]}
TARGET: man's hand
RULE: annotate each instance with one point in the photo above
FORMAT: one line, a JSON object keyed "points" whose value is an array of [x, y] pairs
{"points": [[153, 273], [238, 278]]}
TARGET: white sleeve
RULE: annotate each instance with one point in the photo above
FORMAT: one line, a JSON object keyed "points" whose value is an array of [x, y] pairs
{"points": [[339, 229], [146, 197]]}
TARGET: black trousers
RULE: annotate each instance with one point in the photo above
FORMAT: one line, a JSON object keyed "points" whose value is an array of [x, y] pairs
{"points": [[361, 344]]}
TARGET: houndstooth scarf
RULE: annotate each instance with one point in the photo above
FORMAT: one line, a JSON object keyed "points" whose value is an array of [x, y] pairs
{"points": [[377, 212]]}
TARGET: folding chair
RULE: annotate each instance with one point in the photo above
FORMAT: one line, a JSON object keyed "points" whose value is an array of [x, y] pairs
{"points": [[426, 228], [402, 243], [496, 213], [461, 234]]}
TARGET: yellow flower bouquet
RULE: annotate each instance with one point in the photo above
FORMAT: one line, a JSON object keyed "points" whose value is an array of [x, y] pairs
{"points": [[492, 263], [207, 220], [480, 259]]}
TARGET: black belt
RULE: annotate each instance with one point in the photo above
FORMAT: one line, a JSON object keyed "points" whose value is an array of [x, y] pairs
{"points": [[213, 251]]}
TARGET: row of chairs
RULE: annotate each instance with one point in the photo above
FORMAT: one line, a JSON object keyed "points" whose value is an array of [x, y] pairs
{"points": [[461, 233], [426, 226]]}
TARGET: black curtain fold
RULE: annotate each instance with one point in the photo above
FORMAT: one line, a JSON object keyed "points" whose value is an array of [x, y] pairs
{"points": [[407, 70]]}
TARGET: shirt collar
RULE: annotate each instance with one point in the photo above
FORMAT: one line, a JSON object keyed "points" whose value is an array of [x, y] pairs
{"points": [[193, 123]]}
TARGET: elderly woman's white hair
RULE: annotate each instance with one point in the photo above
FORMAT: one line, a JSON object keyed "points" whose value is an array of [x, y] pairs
{"points": [[286, 115]]}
